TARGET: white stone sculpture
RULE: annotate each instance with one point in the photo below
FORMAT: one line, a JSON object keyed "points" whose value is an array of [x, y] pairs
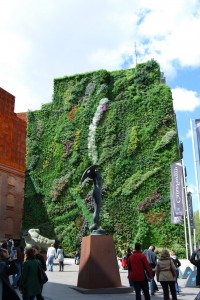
{"points": [[33, 237]]}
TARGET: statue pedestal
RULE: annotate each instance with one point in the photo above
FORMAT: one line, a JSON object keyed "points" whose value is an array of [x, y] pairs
{"points": [[98, 264]]}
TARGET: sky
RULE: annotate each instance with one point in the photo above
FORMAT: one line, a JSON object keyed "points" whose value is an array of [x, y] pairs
{"points": [[47, 39]]}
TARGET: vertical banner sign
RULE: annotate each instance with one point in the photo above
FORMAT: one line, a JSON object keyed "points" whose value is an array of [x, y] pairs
{"points": [[174, 219], [177, 189], [190, 211], [197, 123]]}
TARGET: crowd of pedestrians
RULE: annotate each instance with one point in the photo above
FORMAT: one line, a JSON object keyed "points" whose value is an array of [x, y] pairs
{"points": [[21, 268], [25, 268], [144, 266]]}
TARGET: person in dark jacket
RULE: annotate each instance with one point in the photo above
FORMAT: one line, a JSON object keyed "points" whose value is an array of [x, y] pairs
{"points": [[195, 260], [30, 285], [152, 260], [177, 264], [77, 257], [16, 255], [40, 257], [139, 272], [7, 268], [128, 254]]}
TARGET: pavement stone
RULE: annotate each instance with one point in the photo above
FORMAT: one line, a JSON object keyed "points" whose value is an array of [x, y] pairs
{"points": [[61, 286]]}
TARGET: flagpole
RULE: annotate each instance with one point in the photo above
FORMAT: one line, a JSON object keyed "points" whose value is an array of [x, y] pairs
{"points": [[195, 243], [187, 209], [186, 240], [195, 165]]}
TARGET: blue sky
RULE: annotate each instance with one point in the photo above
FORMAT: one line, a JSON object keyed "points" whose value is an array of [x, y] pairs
{"points": [[47, 39]]}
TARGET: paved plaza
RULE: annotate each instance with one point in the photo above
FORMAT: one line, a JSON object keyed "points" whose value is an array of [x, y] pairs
{"points": [[60, 286]]}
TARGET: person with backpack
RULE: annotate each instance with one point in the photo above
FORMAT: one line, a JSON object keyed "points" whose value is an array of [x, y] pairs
{"points": [[177, 265]]}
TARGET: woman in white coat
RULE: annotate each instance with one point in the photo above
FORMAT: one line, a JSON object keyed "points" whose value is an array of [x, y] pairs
{"points": [[60, 256]]}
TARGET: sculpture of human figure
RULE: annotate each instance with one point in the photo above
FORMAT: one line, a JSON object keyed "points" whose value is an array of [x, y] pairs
{"points": [[93, 174]]}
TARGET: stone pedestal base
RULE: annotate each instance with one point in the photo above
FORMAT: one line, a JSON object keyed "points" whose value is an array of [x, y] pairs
{"points": [[98, 267], [118, 290]]}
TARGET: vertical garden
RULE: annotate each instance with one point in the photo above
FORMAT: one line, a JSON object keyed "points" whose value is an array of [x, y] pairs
{"points": [[124, 122]]}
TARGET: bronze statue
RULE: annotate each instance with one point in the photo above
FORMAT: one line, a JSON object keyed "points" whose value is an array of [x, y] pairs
{"points": [[93, 174]]}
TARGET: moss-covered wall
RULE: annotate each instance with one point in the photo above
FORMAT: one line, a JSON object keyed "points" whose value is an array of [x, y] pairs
{"points": [[131, 134]]}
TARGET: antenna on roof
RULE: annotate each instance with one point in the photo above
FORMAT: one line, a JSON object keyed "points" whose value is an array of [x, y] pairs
{"points": [[162, 78], [135, 54]]}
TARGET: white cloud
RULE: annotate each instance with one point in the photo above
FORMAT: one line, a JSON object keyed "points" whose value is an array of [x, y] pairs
{"points": [[192, 188], [185, 100], [58, 38], [113, 59], [189, 134]]}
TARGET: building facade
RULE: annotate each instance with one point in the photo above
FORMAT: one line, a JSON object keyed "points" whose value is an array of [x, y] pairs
{"points": [[12, 166]]}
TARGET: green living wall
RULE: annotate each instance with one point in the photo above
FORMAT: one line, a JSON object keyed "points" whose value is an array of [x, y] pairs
{"points": [[124, 122]]}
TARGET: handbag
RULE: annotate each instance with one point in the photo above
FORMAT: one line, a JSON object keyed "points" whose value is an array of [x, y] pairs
{"points": [[42, 275]]}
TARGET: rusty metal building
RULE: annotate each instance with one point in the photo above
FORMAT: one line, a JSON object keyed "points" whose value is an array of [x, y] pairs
{"points": [[12, 166]]}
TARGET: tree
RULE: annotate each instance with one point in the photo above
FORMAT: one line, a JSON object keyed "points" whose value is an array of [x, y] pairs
{"points": [[197, 226]]}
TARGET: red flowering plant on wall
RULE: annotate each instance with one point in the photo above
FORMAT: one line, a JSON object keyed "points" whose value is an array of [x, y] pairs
{"points": [[155, 218], [148, 202], [58, 186], [67, 145], [71, 114], [104, 107]]}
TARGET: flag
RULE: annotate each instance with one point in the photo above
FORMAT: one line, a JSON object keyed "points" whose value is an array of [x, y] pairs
{"points": [[174, 219], [197, 123], [190, 211], [177, 193]]}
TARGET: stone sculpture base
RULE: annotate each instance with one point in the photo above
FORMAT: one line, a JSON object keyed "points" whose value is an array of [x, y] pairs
{"points": [[98, 269], [118, 290]]}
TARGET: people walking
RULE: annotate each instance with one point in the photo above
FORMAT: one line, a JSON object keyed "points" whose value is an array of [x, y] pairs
{"points": [[177, 264], [138, 266], [16, 255], [51, 255], [7, 267], [77, 257], [60, 256], [30, 285], [124, 263], [195, 260], [128, 254], [152, 259], [166, 275], [40, 257]]}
